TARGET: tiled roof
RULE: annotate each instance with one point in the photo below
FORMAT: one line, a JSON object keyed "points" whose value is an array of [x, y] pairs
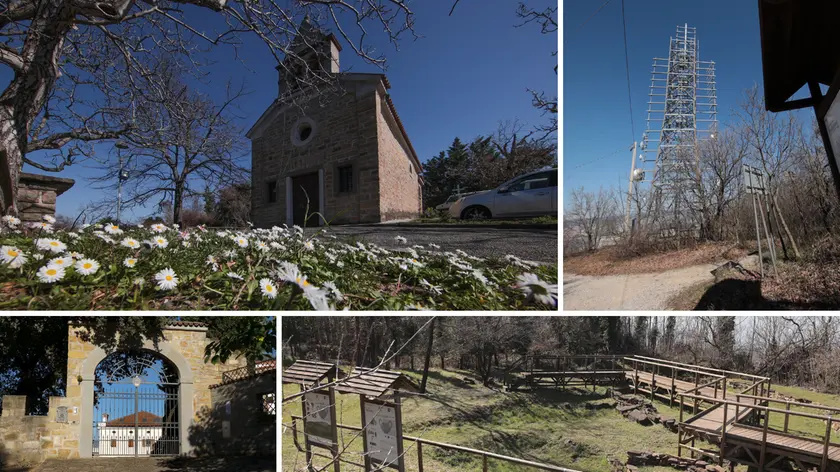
{"points": [[187, 324], [144, 418]]}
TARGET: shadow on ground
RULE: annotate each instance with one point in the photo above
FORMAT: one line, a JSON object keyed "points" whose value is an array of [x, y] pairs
{"points": [[219, 464], [736, 294]]}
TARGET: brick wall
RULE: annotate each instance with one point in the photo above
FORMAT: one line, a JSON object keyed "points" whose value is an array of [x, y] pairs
{"points": [[346, 133], [27, 440], [399, 185]]}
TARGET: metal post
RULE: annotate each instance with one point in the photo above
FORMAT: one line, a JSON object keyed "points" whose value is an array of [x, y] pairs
{"points": [[758, 238], [136, 410], [630, 187]]}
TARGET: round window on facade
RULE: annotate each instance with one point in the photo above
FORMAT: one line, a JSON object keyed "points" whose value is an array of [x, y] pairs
{"points": [[303, 131]]}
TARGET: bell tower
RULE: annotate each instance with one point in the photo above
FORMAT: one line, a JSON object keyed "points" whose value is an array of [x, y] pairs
{"points": [[313, 58]]}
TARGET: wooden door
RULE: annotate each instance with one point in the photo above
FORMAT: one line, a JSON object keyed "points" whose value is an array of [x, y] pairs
{"points": [[304, 186]]}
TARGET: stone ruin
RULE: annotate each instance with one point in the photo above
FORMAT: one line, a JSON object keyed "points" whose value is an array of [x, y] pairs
{"points": [[642, 411]]}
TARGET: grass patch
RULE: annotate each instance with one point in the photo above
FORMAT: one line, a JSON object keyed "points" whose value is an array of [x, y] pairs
{"points": [[547, 426], [614, 260], [105, 267]]}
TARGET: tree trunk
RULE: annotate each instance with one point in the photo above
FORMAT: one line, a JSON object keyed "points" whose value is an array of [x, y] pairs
{"points": [[428, 356], [25, 96], [442, 362], [787, 230], [178, 202]]}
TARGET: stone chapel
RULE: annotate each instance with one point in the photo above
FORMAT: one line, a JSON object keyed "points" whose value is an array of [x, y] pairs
{"points": [[345, 155]]}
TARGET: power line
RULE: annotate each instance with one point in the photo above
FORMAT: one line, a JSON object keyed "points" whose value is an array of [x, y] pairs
{"points": [[590, 17], [599, 159], [627, 68]]}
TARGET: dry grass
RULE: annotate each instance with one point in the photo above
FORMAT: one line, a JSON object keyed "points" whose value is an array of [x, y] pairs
{"points": [[687, 299], [613, 261]]}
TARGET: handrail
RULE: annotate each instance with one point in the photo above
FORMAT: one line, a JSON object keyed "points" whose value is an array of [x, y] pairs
{"points": [[743, 374], [707, 384], [484, 454], [758, 407], [642, 361], [806, 405]]}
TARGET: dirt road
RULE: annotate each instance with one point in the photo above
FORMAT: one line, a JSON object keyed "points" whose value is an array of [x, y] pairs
{"points": [[631, 291]]}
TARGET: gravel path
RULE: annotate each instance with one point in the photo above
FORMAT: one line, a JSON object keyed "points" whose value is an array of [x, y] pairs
{"points": [[631, 291], [539, 245]]}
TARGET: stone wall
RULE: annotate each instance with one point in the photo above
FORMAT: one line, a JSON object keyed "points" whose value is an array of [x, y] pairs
{"points": [[27, 440], [249, 430], [345, 133], [37, 195], [399, 185]]}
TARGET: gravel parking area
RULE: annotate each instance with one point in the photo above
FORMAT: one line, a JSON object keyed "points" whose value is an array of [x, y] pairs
{"points": [[539, 245]]}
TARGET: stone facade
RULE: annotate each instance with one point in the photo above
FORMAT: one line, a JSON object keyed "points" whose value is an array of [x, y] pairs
{"points": [[30, 439], [356, 127], [37, 195]]}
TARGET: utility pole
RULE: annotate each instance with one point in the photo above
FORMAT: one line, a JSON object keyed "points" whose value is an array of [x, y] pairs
{"points": [[630, 185]]}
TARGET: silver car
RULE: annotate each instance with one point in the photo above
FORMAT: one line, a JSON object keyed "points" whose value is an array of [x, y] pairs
{"points": [[532, 194]]}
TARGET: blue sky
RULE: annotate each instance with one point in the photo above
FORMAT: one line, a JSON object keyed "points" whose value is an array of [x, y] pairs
{"points": [[596, 117], [466, 74]]}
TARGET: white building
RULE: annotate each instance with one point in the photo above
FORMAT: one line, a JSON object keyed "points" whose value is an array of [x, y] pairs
{"points": [[117, 437]]}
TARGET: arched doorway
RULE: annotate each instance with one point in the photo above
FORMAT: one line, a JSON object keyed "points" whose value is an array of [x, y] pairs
{"points": [[136, 402]]}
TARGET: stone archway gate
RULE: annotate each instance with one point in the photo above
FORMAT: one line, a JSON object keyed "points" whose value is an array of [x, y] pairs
{"points": [[68, 429]]}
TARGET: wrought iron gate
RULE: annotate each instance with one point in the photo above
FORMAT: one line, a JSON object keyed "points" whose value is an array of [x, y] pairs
{"points": [[135, 407]]}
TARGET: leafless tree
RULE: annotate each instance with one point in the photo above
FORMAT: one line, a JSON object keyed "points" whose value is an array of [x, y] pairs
{"points": [[592, 214], [548, 25], [773, 139], [78, 65], [180, 140]]}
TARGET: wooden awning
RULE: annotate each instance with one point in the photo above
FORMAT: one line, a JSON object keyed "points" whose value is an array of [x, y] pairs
{"points": [[375, 383], [309, 373], [800, 43]]}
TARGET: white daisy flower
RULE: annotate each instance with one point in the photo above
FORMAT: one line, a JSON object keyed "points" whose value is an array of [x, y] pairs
{"points": [[139, 281], [211, 260], [76, 255], [433, 288], [52, 245], [222, 234], [417, 246], [478, 275], [73, 235], [49, 274], [140, 226], [298, 229], [130, 243], [49, 219], [43, 225], [318, 300], [13, 256], [309, 245], [38, 257], [401, 240], [130, 262], [112, 229], [160, 241], [240, 241], [62, 261], [268, 289], [234, 275], [87, 266], [415, 262], [229, 254], [339, 264], [403, 267], [433, 245], [175, 226], [536, 289], [167, 279], [262, 246], [360, 245], [336, 293], [277, 246], [158, 227], [416, 306]]}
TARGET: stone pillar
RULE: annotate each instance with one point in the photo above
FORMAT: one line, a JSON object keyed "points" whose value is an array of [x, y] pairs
{"points": [[37, 195]]}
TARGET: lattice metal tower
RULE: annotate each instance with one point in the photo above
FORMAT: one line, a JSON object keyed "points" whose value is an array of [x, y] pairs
{"points": [[682, 111]]}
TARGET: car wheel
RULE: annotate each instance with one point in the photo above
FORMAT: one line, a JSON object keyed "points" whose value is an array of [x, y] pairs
{"points": [[475, 213]]}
